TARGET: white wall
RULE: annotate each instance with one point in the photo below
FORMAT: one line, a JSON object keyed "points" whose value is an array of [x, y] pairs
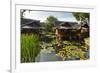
{"points": [[5, 36]]}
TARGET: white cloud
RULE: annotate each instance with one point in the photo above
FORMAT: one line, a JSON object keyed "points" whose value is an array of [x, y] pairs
{"points": [[42, 15]]}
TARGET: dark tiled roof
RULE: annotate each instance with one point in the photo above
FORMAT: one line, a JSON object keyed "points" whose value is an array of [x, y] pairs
{"points": [[63, 23], [36, 24], [67, 25], [30, 22]]}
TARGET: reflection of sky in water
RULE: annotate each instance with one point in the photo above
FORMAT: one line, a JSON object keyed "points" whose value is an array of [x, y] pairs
{"points": [[42, 15]]}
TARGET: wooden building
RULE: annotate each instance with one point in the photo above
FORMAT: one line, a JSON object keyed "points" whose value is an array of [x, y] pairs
{"points": [[30, 26], [71, 31]]}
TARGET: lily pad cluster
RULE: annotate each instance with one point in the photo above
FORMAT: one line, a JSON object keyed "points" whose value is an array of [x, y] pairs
{"points": [[73, 51]]}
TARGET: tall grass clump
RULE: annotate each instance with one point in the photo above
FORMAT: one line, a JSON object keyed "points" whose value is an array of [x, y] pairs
{"points": [[29, 47]]}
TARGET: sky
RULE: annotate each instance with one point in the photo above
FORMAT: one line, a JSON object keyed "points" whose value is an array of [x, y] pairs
{"points": [[42, 15]]}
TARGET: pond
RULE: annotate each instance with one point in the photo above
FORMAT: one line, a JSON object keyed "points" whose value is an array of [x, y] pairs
{"points": [[46, 55], [67, 50]]}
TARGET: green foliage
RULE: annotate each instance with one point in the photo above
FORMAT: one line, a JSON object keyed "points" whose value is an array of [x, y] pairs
{"points": [[71, 50], [87, 41], [81, 16], [74, 51], [29, 47], [50, 21]]}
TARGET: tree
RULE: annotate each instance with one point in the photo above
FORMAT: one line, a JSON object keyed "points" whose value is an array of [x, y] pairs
{"points": [[81, 16], [22, 12], [50, 22]]}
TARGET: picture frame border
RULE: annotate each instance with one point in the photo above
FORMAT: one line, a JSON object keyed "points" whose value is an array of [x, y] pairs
{"points": [[13, 54]]}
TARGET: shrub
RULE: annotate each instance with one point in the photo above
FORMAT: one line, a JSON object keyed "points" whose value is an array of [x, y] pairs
{"points": [[29, 47]]}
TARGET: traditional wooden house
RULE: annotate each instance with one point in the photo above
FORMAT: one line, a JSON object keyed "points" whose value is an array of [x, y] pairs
{"points": [[30, 26], [71, 31], [63, 30]]}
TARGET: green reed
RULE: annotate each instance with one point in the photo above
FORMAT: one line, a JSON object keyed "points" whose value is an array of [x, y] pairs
{"points": [[30, 47]]}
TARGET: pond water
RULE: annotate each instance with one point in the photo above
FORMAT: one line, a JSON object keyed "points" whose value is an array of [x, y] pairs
{"points": [[50, 50], [45, 55]]}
